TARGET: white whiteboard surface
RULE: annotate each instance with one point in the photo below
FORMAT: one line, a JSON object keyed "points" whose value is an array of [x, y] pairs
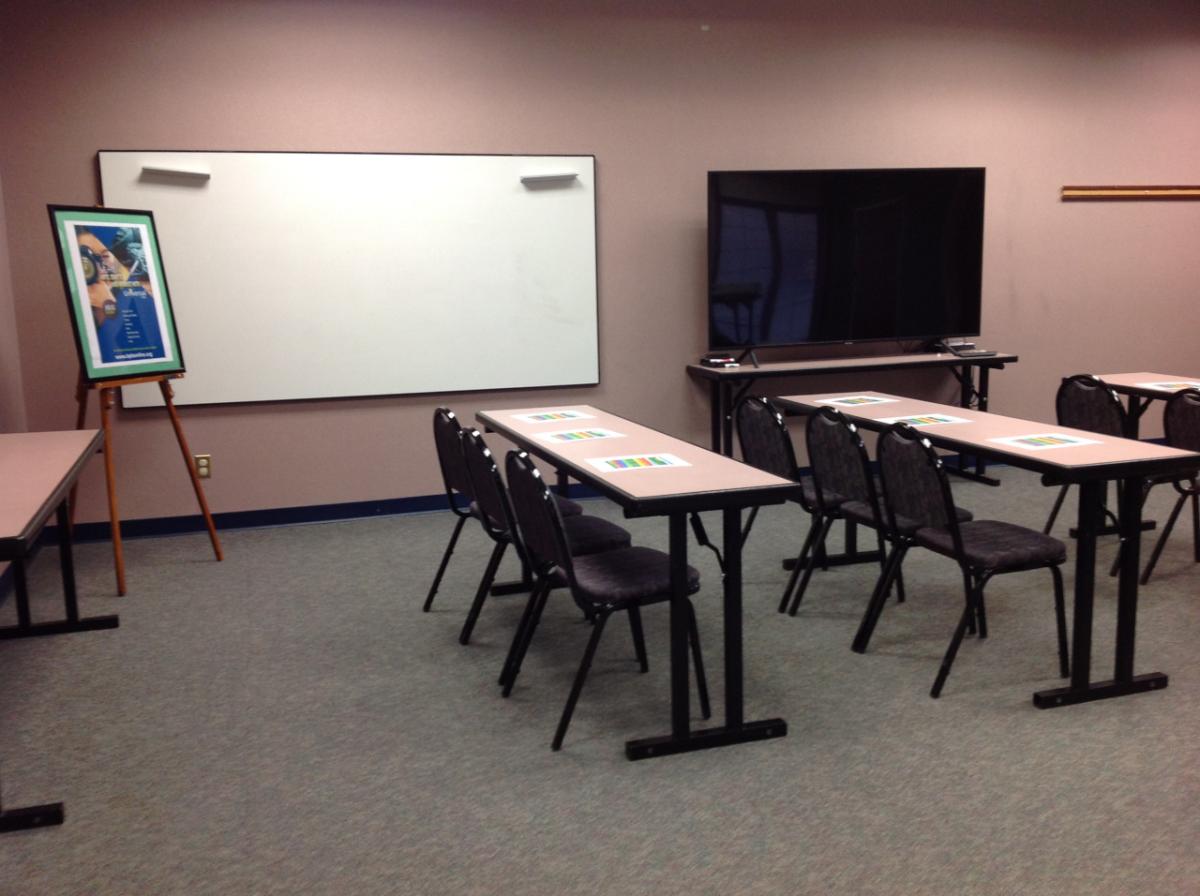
{"points": [[320, 275]]}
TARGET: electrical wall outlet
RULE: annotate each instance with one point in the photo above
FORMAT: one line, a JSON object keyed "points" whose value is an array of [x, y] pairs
{"points": [[203, 465]]}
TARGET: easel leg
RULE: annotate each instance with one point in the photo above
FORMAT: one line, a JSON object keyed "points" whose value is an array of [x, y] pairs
{"points": [[168, 394], [110, 479]]}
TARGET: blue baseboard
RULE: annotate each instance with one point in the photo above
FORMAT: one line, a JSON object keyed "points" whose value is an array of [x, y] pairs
{"points": [[246, 519], [258, 519]]}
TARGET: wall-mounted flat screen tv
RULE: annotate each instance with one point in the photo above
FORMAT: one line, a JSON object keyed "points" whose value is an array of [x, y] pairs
{"points": [[846, 255]]}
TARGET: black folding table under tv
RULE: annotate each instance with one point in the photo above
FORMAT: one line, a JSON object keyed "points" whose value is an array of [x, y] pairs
{"points": [[728, 384]]}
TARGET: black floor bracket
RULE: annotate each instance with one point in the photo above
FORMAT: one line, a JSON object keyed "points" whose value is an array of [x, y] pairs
{"points": [[666, 745]]}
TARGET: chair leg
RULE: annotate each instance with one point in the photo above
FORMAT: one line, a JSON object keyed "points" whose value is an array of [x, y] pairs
{"points": [[801, 560], [485, 585], [437, 579], [1162, 539], [580, 678], [519, 635], [959, 631], [1062, 493], [1196, 526], [698, 662], [702, 539], [810, 566], [1060, 619], [749, 524], [526, 639], [878, 598], [883, 560], [639, 639]]}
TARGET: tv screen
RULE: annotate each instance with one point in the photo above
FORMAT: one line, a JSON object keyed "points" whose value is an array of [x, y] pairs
{"points": [[844, 255]]}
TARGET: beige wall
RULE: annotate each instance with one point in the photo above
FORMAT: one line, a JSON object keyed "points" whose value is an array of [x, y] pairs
{"points": [[1041, 94], [12, 401]]}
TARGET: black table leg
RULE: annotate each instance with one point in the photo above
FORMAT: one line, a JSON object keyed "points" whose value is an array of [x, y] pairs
{"points": [[26, 627], [982, 392], [716, 413], [734, 687], [1091, 516], [680, 726], [49, 814], [66, 562], [1133, 415], [735, 730], [726, 420]]}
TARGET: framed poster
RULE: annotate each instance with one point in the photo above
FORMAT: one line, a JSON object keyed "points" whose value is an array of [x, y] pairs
{"points": [[116, 292]]}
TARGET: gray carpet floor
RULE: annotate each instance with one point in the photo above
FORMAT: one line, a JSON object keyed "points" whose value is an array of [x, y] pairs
{"points": [[289, 722]]}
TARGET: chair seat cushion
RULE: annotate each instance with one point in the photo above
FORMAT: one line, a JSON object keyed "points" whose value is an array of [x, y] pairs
{"points": [[859, 512], [997, 546], [809, 491], [634, 575], [567, 507], [592, 534]]}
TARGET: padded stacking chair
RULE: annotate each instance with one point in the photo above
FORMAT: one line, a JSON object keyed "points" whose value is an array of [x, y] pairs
{"points": [[1084, 402], [767, 445], [601, 584], [1181, 422], [917, 497], [584, 534], [447, 437], [843, 488]]}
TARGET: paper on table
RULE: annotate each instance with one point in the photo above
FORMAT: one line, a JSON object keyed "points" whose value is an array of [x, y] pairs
{"points": [[1170, 387], [924, 419], [854, 401], [552, 416], [579, 435], [619, 463], [1043, 441]]}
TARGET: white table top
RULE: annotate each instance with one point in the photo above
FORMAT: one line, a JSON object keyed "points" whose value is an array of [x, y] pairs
{"points": [[1164, 384], [702, 471], [982, 430]]}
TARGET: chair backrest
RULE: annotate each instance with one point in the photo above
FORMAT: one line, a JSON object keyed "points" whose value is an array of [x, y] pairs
{"points": [[764, 437], [537, 516], [491, 496], [915, 484], [447, 436], [838, 459], [1084, 401], [1181, 420]]}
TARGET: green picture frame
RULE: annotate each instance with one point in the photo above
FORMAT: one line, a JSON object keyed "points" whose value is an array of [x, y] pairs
{"points": [[117, 294]]}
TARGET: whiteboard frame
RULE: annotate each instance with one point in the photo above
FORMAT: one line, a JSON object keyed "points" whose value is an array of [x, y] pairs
{"points": [[546, 262]]}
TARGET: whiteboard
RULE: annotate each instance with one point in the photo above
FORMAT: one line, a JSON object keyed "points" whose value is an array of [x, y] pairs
{"points": [[322, 275]]}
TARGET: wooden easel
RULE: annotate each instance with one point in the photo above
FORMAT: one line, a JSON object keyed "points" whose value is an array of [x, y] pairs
{"points": [[107, 390]]}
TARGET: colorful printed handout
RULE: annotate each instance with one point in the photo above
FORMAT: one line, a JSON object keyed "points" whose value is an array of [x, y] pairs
{"points": [[636, 462], [553, 416], [924, 419], [855, 401], [579, 435], [1170, 387], [1043, 441]]}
